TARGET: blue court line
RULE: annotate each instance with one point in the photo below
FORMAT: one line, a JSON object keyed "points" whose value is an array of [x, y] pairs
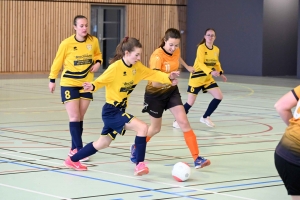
{"points": [[146, 196], [241, 185], [102, 180]]}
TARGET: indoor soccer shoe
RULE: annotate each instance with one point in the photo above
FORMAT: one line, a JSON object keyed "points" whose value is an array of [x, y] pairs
{"points": [[72, 152], [175, 125], [74, 165], [132, 154], [201, 162], [141, 169], [207, 121]]}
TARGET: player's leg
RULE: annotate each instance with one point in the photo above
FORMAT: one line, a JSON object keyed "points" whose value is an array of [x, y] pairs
{"points": [[71, 98], [140, 144], [88, 150], [189, 136], [215, 91], [192, 96], [83, 106]]}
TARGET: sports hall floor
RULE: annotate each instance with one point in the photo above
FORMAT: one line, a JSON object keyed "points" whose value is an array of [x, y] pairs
{"points": [[34, 141]]}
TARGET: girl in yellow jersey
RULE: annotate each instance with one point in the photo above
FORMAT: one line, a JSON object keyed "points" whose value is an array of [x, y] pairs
{"points": [[120, 78], [80, 57], [160, 97], [206, 66], [287, 154]]}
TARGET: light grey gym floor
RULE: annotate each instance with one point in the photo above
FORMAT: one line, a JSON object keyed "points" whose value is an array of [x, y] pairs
{"points": [[34, 141]]}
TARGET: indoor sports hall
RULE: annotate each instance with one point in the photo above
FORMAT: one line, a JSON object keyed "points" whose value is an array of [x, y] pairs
{"points": [[34, 142], [259, 51]]}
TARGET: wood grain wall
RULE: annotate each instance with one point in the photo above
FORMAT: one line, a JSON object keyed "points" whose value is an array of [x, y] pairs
{"points": [[31, 31]]}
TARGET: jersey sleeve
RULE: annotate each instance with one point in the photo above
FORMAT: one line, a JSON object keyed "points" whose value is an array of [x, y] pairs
{"points": [[144, 73], [199, 62], [97, 52], [218, 64], [58, 61], [105, 78], [155, 62], [296, 92]]}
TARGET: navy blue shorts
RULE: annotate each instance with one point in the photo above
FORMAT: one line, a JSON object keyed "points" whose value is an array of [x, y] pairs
{"points": [[73, 93], [204, 88], [114, 119]]}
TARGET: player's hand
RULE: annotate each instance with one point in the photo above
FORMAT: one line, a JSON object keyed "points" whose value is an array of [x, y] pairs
{"points": [[190, 69], [174, 82], [174, 74], [95, 67], [224, 77], [51, 87], [87, 86], [215, 73]]}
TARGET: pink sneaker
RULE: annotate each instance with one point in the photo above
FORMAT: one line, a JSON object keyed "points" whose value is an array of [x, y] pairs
{"points": [[72, 152], [74, 165], [141, 169]]}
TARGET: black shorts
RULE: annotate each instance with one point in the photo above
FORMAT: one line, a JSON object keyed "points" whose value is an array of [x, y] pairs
{"points": [[290, 175], [73, 93], [156, 106], [204, 88]]}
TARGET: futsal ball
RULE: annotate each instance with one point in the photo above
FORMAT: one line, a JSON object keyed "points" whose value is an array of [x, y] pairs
{"points": [[181, 171]]}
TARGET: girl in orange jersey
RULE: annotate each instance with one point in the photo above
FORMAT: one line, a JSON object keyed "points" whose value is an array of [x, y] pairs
{"points": [[287, 153], [80, 57], [160, 97], [206, 66]]}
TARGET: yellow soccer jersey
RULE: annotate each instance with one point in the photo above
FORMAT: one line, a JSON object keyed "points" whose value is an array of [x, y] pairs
{"points": [[76, 58], [206, 60], [120, 80]]}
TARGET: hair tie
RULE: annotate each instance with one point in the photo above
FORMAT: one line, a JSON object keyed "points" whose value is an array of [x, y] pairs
{"points": [[125, 39]]}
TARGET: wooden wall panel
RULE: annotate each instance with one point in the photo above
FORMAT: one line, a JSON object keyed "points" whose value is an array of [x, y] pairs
{"points": [[31, 31]]}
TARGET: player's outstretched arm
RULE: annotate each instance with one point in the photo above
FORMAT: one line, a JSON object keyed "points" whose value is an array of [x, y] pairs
{"points": [[174, 75], [88, 86]]}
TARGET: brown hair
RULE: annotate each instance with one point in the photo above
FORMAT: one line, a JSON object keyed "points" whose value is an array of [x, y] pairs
{"points": [[204, 40], [127, 44], [75, 24], [170, 33]]}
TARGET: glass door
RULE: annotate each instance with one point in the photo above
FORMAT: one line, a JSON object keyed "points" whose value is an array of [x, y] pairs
{"points": [[108, 25]]}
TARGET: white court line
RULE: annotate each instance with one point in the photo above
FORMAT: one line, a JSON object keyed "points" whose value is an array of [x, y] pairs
{"points": [[137, 178], [32, 191]]}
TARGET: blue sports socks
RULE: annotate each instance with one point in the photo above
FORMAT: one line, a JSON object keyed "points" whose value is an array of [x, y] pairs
{"points": [[73, 143], [187, 107], [140, 149], [86, 151], [76, 132], [212, 107]]}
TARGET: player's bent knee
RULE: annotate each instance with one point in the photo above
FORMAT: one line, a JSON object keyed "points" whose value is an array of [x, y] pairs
{"points": [[143, 129]]}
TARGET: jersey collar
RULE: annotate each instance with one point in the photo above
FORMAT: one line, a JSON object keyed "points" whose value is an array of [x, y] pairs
{"points": [[166, 51], [129, 66]]}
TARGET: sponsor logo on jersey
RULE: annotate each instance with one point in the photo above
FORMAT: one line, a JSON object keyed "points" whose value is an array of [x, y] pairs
{"points": [[89, 47]]}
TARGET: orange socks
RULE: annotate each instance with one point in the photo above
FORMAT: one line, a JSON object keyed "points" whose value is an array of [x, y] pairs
{"points": [[191, 142], [148, 138]]}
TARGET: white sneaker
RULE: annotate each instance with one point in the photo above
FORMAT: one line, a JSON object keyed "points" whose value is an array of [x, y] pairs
{"points": [[207, 121], [175, 124]]}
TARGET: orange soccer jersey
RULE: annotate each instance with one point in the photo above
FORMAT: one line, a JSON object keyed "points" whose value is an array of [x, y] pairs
{"points": [[289, 146], [164, 61]]}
